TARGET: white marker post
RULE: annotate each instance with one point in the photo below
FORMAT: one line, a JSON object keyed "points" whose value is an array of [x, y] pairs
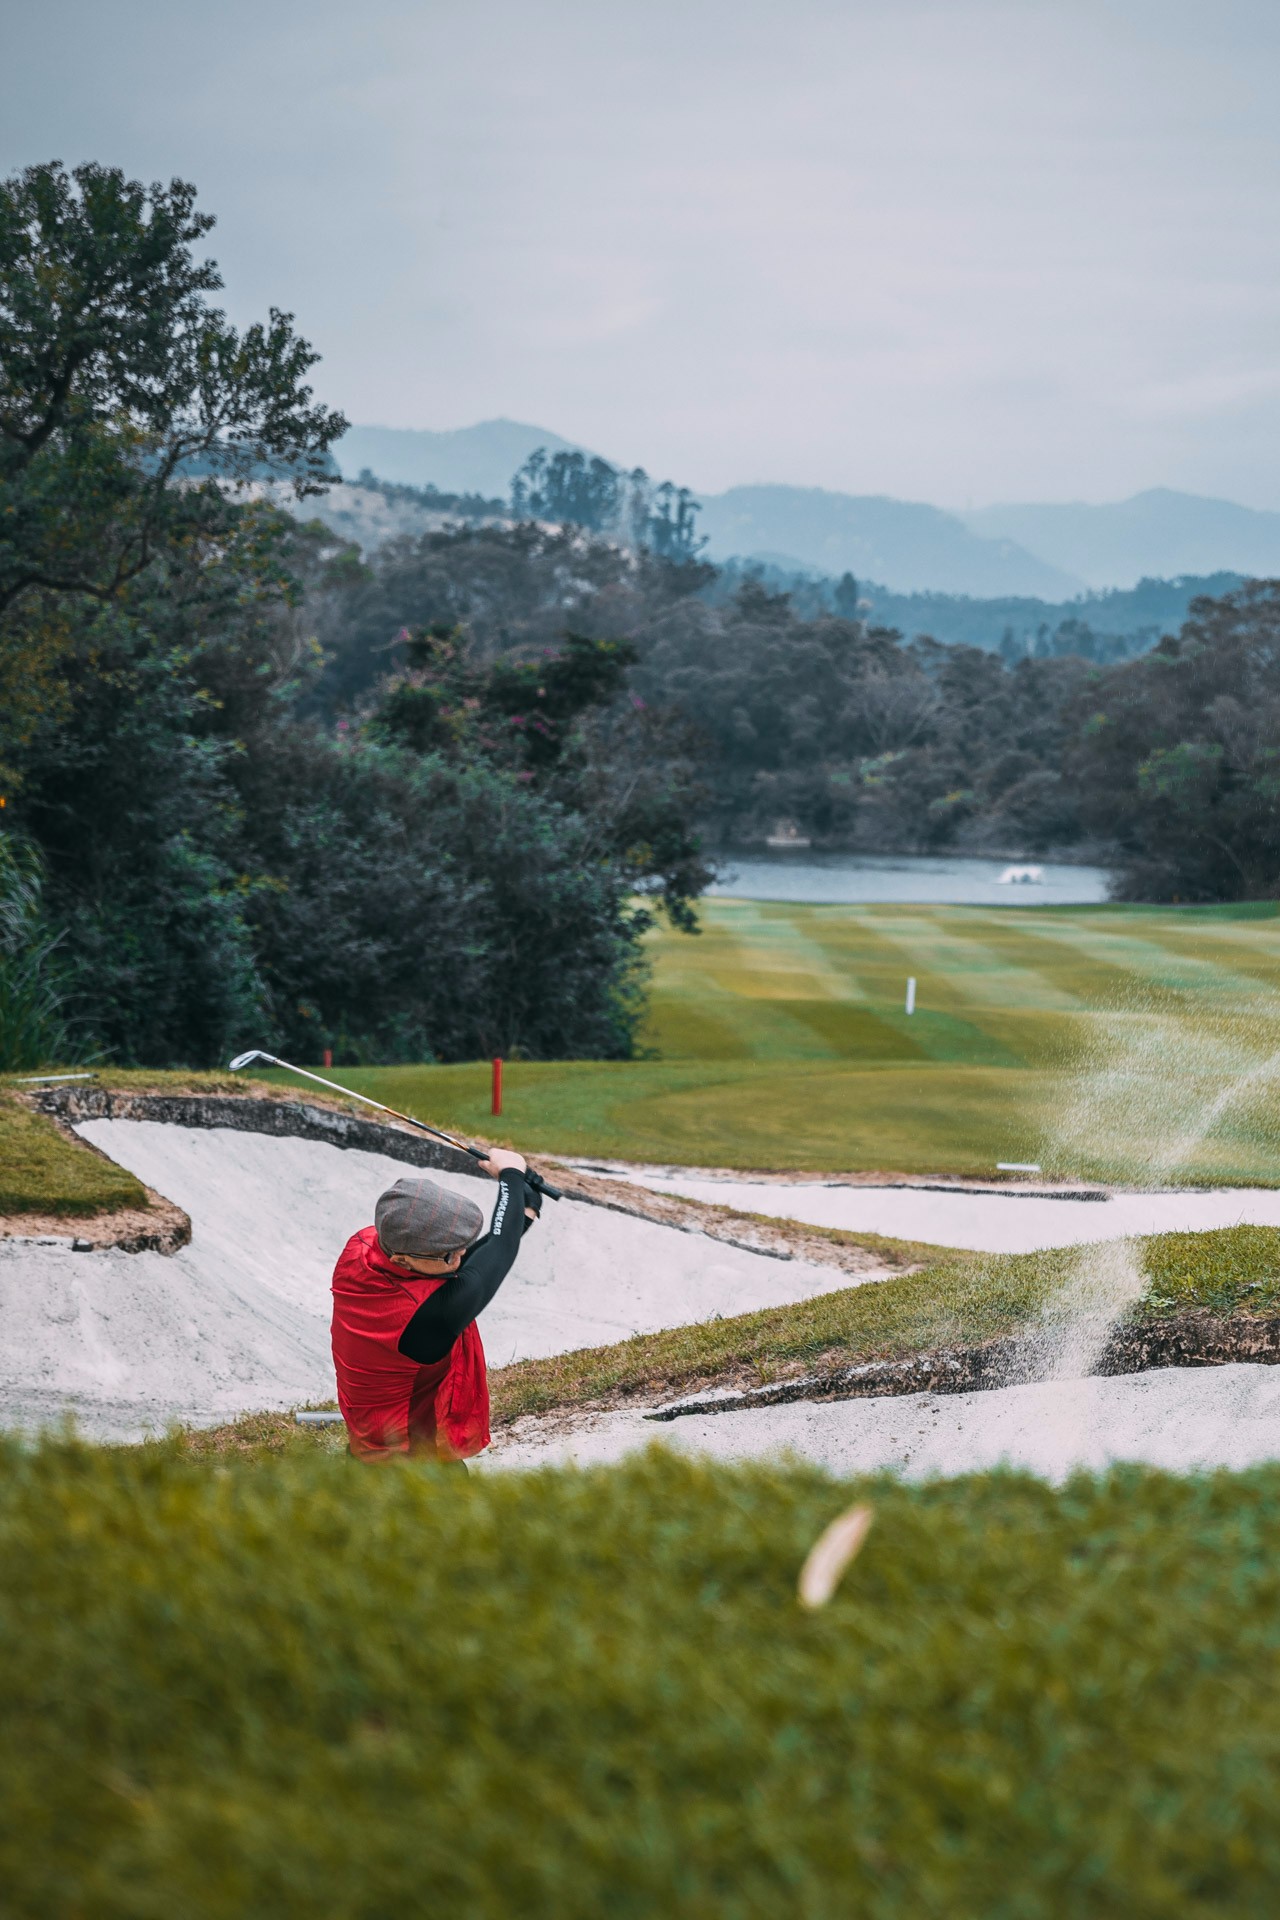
{"points": [[911, 994]]}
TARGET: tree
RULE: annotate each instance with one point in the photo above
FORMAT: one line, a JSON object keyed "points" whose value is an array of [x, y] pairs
{"points": [[572, 490], [126, 400], [1177, 755], [569, 489], [557, 722]]}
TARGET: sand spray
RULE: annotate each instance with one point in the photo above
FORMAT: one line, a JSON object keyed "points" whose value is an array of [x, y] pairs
{"points": [[1157, 1087]]}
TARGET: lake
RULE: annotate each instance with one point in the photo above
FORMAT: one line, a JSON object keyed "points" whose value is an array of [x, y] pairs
{"points": [[839, 879]]}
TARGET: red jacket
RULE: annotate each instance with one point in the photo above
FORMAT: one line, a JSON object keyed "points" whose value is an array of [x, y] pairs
{"points": [[391, 1404]]}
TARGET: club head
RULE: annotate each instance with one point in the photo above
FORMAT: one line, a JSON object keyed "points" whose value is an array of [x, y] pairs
{"points": [[244, 1059]]}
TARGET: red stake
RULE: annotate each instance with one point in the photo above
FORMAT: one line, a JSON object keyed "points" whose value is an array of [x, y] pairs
{"points": [[496, 1106], [328, 1056]]}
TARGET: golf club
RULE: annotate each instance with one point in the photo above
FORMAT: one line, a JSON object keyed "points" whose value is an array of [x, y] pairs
{"points": [[534, 1179]]}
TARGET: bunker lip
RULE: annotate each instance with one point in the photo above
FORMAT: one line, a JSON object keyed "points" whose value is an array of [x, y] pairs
{"points": [[282, 1114], [159, 1227], [1198, 1338], [1009, 1188]]}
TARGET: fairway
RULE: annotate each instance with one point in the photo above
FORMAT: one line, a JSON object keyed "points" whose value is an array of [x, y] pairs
{"points": [[1135, 1044]]}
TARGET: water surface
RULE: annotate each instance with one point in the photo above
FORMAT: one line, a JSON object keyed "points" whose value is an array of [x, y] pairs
{"points": [[838, 879]]}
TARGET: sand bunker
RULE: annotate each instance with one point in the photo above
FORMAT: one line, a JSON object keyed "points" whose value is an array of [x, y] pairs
{"points": [[1179, 1418], [1008, 1222], [239, 1320]]}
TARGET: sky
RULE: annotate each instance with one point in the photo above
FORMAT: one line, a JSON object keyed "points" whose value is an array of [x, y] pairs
{"points": [[977, 251]]}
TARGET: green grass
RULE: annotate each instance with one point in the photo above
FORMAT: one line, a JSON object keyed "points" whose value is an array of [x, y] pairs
{"points": [[42, 1172], [1136, 1044], [1094, 1040], [304, 1689]]}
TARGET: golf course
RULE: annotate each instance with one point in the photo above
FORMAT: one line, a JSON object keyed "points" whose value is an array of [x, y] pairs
{"points": [[1121, 1043]]}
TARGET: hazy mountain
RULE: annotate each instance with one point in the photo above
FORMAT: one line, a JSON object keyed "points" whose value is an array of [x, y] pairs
{"points": [[912, 548], [1115, 623], [1046, 552], [478, 459], [1158, 534]]}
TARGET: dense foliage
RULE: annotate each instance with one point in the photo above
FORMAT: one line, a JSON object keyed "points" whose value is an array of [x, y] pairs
{"points": [[1178, 755], [33, 1028], [221, 862], [804, 711], [294, 1687], [572, 489], [821, 719]]}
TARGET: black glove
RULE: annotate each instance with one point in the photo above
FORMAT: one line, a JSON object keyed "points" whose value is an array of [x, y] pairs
{"points": [[533, 1181], [532, 1200]]}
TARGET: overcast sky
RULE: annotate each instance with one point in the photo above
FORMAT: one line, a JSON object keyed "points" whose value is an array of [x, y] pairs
{"points": [[960, 252]]}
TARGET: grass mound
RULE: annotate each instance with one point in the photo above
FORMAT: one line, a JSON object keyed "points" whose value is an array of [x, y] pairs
{"points": [[305, 1688], [41, 1171]]}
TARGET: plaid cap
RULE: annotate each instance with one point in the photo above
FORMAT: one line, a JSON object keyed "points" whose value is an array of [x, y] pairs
{"points": [[421, 1219]]}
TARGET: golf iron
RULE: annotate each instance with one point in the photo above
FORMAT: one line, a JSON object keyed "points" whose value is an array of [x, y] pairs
{"points": [[533, 1179]]}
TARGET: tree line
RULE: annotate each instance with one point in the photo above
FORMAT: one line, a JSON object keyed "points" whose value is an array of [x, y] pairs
{"points": [[198, 850], [262, 788], [811, 713]]}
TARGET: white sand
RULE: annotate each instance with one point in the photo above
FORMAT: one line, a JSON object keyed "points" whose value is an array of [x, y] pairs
{"points": [[240, 1318], [986, 1222], [1178, 1418]]}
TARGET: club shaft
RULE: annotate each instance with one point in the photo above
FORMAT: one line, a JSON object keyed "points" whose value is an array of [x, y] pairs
{"points": [[477, 1153], [437, 1133]]}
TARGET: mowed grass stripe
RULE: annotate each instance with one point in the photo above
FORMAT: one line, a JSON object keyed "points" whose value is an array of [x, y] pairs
{"points": [[1254, 957], [956, 965], [1029, 940], [773, 954], [857, 939], [1157, 965], [804, 1080]]}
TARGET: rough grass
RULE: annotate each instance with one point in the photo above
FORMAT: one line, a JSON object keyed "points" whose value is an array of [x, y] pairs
{"points": [[307, 1689], [43, 1172], [958, 1301]]}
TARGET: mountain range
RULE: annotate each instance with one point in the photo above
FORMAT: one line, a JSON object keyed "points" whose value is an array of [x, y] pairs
{"points": [[1050, 551]]}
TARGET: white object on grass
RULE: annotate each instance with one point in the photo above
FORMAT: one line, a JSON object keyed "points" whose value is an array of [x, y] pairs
{"points": [[911, 993], [1017, 1166], [319, 1419], [833, 1550]]}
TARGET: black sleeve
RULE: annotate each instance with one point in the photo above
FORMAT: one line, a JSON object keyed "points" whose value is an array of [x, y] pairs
{"points": [[443, 1314]]}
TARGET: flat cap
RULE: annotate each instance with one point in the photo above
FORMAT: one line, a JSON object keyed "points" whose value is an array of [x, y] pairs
{"points": [[419, 1218]]}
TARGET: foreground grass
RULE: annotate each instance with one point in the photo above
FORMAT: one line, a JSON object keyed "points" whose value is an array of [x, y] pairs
{"points": [[42, 1172], [958, 1301], [306, 1688]]}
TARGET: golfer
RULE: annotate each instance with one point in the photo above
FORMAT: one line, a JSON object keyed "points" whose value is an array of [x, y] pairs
{"points": [[406, 1292]]}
